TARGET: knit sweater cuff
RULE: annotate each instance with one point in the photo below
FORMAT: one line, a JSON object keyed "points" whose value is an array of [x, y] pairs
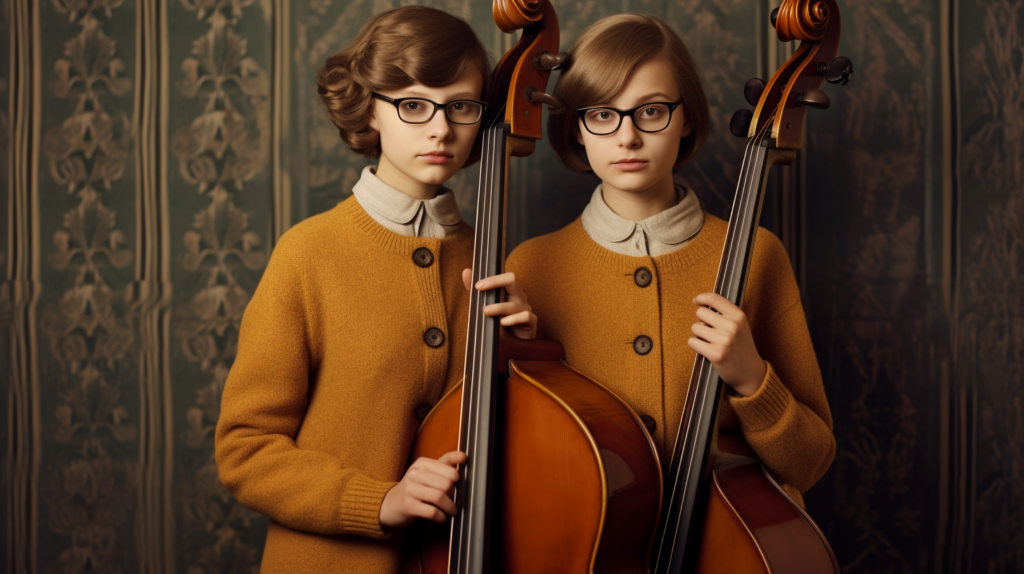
{"points": [[360, 506], [765, 407]]}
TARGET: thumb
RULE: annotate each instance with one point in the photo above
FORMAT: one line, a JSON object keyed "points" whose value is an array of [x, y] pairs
{"points": [[467, 278]]}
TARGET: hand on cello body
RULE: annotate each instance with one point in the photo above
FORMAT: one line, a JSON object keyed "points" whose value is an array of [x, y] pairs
{"points": [[425, 491], [516, 313]]}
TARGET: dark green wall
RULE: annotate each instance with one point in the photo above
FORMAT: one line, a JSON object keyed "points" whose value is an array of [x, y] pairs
{"points": [[154, 151]]}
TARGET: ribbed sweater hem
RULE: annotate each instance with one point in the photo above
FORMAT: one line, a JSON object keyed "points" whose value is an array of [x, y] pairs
{"points": [[765, 407], [360, 505]]}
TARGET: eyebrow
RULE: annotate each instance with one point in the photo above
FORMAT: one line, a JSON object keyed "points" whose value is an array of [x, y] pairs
{"points": [[458, 96], [647, 97]]}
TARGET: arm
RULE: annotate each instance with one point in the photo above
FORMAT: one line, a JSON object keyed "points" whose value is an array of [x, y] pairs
{"points": [[787, 420], [263, 405], [776, 388]]}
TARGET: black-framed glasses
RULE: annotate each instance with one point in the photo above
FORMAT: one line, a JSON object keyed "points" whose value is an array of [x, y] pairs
{"points": [[422, 110], [650, 118]]}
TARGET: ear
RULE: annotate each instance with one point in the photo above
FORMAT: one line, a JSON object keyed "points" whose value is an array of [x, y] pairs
{"points": [[373, 117], [578, 135], [687, 130]]}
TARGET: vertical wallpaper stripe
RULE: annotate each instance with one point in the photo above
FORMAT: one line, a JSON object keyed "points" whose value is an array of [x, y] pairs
{"points": [[23, 290], [156, 515], [280, 104]]}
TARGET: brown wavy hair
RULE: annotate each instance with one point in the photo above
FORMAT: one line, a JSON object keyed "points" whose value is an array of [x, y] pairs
{"points": [[600, 63], [394, 50]]}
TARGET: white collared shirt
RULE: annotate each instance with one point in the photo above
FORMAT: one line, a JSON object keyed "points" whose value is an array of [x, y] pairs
{"points": [[657, 235], [405, 215]]}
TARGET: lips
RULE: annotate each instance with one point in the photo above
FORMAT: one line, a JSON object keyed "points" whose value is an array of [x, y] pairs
{"points": [[437, 157], [631, 164]]}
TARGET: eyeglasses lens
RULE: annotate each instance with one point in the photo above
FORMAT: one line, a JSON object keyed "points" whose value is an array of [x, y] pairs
{"points": [[422, 111], [604, 121]]}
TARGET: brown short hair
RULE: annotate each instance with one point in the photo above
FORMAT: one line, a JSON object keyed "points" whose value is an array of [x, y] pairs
{"points": [[599, 65], [393, 50]]}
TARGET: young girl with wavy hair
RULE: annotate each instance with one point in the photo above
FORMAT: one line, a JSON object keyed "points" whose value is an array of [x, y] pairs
{"points": [[359, 323], [625, 287]]}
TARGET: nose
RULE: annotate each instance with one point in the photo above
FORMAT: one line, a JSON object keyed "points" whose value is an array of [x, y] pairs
{"points": [[628, 136], [438, 126]]}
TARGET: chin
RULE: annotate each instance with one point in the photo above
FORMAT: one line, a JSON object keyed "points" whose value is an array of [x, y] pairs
{"points": [[436, 175], [630, 183]]}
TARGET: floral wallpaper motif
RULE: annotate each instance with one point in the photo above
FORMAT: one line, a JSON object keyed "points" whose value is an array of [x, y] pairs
{"points": [[989, 324], [225, 146], [88, 491], [866, 297]]}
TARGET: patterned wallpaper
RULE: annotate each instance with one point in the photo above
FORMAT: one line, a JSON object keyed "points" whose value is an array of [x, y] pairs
{"points": [[152, 152]]}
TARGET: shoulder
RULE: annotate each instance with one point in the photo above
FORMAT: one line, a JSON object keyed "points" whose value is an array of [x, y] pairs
{"points": [[550, 244], [303, 247], [316, 231], [772, 282]]}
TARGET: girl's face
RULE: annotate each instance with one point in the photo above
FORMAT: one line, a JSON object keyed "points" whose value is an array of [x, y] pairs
{"points": [[418, 158], [630, 160]]}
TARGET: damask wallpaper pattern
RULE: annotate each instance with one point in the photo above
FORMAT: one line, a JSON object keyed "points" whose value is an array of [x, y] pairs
{"points": [[153, 151]]}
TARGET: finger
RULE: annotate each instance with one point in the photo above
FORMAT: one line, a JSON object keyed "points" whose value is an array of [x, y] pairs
{"points": [[716, 321], [709, 334], [717, 302], [709, 351], [427, 511], [432, 480], [505, 280], [467, 278], [452, 458], [521, 318], [429, 465], [506, 308], [434, 497]]}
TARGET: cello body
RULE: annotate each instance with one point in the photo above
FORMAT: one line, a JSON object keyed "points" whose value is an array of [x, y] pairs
{"points": [[577, 475], [751, 526]]}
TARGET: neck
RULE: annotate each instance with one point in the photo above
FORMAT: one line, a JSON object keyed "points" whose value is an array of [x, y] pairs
{"points": [[394, 177], [637, 205]]}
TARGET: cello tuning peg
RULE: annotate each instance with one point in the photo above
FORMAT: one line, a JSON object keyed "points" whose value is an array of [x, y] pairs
{"points": [[547, 61], [739, 125], [752, 90], [814, 99], [538, 97], [775, 16], [837, 71]]}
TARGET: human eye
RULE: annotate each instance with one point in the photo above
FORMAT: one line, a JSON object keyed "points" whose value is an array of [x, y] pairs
{"points": [[600, 116], [651, 112]]}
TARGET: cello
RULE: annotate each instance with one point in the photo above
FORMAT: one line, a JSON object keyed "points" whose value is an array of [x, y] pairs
{"points": [[723, 511], [561, 475]]}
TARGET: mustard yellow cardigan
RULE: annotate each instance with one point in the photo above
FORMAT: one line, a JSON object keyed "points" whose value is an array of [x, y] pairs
{"points": [[352, 334], [624, 321]]}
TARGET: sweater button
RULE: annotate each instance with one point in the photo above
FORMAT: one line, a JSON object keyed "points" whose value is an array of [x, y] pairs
{"points": [[423, 257], [649, 422], [643, 345], [433, 337], [642, 277], [422, 411]]}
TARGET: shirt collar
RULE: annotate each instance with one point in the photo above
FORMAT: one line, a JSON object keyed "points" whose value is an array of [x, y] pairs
{"points": [[393, 205], [674, 225]]}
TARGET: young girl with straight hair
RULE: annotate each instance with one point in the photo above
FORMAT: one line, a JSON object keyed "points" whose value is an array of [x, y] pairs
{"points": [[625, 287], [358, 325]]}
